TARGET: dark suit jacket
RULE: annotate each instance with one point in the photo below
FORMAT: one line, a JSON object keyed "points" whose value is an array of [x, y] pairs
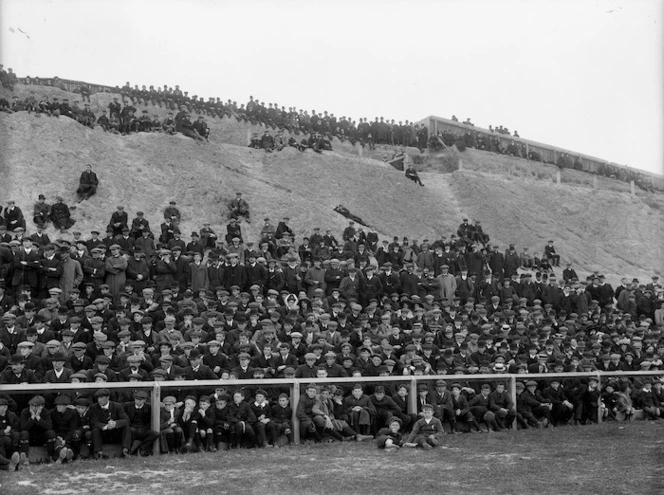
{"points": [[26, 422], [50, 377], [203, 373], [139, 418], [165, 418], [26, 274], [88, 179], [51, 271], [534, 368], [100, 417], [123, 376]]}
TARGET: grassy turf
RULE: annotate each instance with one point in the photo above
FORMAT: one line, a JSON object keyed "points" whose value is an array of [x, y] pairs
{"points": [[609, 458]]}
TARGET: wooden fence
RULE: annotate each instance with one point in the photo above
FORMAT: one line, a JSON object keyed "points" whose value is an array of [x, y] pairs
{"points": [[296, 386]]}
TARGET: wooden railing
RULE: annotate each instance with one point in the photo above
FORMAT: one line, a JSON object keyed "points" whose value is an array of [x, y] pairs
{"points": [[296, 385]]}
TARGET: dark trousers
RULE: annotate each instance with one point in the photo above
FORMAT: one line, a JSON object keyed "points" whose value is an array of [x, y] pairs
{"points": [[223, 433], [170, 439], [37, 436], [585, 412], [243, 433], [283, 428], [445, 415], [145, 436], [561, 414], [117, 435], [505, 420], [467, 420], [80, 437], [6, 451], [265, 432]]}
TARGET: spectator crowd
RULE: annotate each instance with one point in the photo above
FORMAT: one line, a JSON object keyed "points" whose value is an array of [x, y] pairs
{"points": [[141, 305], [122, 117]]}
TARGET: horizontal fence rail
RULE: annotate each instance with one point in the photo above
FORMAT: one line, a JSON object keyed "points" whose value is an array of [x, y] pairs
{"points": [[296, 385]]}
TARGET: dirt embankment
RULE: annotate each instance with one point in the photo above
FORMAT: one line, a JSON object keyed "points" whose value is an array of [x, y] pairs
{"points": [[603, 228]]}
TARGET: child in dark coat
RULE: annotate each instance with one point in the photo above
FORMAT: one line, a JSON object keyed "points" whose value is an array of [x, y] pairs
{"points": [[390, 438]]}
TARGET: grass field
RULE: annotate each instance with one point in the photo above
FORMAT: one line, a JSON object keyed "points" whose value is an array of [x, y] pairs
{"points": [[608, 458]]}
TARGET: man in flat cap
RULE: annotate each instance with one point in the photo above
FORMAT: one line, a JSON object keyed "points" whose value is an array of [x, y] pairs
{"points": [[64, 420], [26, 267], [139, 414], [115, 267], [87, 184], [530, 410], [50, 270], [109, 423], [238, 207], [171, 433], [119, 220], [72, 273], [41, 210], [9, 424], [17, 373], [36, 427], [13, 216]]}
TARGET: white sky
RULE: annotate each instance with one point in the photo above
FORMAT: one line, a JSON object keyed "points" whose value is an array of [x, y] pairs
{"points": [[586, 75]]}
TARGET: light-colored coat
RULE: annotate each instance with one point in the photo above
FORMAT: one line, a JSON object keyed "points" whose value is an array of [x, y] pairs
{"points": [[115, 274], [447, 285], [72, 276]]}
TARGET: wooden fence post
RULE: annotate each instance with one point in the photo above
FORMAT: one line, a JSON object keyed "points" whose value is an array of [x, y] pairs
{"points": [[412, 396], [295, 400], [155, 404], [513, 394], [599, 402]]}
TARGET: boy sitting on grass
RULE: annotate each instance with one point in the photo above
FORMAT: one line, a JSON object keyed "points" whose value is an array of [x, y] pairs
{"points": [[390, 438], [281, 416], [427, 431]]}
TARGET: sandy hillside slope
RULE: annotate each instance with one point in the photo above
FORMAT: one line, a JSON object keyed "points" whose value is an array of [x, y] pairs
{"points": [[604, 229], [146, 171]]}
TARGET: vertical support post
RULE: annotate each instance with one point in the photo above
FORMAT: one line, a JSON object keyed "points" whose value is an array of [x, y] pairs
{"points": [[295, 400], [599, 403], [361, 150], [513, 395], [594, 182], [155, 404], [631, 187], [248, 136], [460, 164], [412, 396], [558, 174]]}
